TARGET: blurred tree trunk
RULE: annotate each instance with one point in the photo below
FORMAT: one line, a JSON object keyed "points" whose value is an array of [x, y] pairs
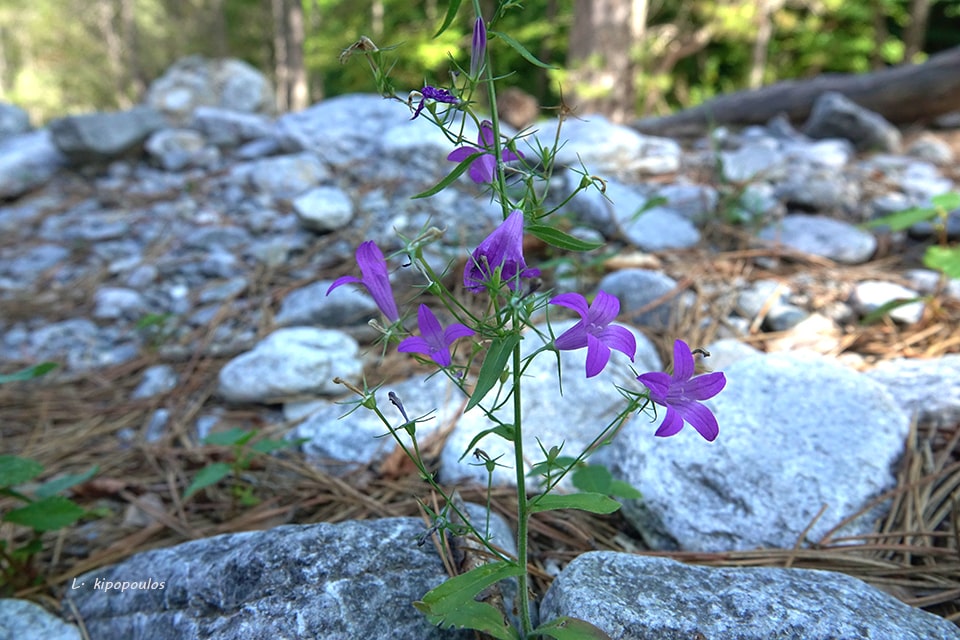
{"points": [[218, 25], [136, 79], [602, 70], [758, 60], [293, 93], [113, 48], [916, 31]]}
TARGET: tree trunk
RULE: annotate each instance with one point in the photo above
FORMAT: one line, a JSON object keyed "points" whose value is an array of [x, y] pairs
{"points": [[599, 55], [904, 94], [916, 31], [299, 86]]}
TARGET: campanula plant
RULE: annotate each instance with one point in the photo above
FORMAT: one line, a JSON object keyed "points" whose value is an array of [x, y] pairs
{"points": [[479, 351]]}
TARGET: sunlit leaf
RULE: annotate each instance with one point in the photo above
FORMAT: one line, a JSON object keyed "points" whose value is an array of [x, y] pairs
{"points": [[592, 502], [566, 628], [945, 259], [494, 365]]}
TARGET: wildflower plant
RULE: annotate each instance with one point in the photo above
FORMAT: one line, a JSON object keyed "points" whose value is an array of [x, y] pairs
{"points": [[479, 351]]}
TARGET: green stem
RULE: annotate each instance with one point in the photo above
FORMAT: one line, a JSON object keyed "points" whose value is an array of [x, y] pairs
{"points": [[523, 513]]}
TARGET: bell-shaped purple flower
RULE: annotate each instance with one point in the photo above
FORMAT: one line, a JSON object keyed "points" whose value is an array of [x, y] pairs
{"points": [[434, 341], [484, 167], [502, 249], [373, 266], [479, 47], [681, 394], [435, 94], [594, 330]]}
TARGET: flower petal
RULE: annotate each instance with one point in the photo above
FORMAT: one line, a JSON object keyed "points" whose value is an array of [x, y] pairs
{"points": [[342, 280], [598, 354], [485, 135], [482, 169], [414, 344], [573, 301], [430, 327], [573, 338], [658, 383], [671, 425], [461, 153], [700, 418], [619, 338], [455, 331], [705, 386], [373, 266], [682, 361], [604, 309]]}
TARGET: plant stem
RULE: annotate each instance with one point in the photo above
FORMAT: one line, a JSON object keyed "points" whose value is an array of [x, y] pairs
{"points": [[522, 507]]}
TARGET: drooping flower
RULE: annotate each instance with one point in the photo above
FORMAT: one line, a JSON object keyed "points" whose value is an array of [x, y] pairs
{"points": [[373, 266], [432, 93], [434, 341], [594, 330], [681, 394], [502, 249], [479, 47], [483, 168]]}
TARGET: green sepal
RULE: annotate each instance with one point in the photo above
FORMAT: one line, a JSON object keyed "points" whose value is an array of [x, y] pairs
{"points": [[453, 604], [592, 502], [494, 365], [566, 628]]}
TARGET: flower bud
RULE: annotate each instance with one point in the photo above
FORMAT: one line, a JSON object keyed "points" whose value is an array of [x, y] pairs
{"points": [[479, 49]]}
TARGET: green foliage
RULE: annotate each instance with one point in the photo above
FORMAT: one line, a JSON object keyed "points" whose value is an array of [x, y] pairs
{"points": [[29, 373], [945, 259], [242, 455]]}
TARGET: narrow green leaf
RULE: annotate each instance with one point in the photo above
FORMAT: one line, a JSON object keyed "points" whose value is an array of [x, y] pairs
{"points": [[886, 308], [566, 628], [493, 365], [230, 437], [53, 487], [15, 470], [505, 431], [454, 604], [592, 502], [269, 446], [48, 514], [519, 48], [452, 9], [456, 173], [561, 240], [211, 474], [945, 259], [29, 373], [903, 219], [947, 201]]}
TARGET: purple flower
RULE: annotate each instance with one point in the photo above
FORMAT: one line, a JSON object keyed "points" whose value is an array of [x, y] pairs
{"points": [[482, 169], [434, 341], [594, 330], [502, 249], [479, 48], [373, 266], [432, 93], [681, 393]]}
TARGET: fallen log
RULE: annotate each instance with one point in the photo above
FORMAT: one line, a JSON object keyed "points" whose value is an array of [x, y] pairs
{"points": [[903, 95]]}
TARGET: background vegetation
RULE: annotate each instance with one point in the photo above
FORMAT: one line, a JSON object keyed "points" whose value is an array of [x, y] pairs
{"points": [[74, 56]]}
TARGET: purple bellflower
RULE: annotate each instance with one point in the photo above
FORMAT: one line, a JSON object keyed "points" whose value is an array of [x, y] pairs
{"points": [[434, 341], [681, 394], [373, 266], [479, 47], [504, 249], [483, 168], [435, 94], [594, 330]]}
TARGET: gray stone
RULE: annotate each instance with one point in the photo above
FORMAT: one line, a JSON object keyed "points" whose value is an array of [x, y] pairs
{"points": [[157, 379], [760, 296], [310, 305], [336, 581], [572, 419], [228, 127], [285, 176], [117, 302], [659, 229], [97, 137], [324, 209], [931, 149], [13, 120], [780, 456], [822, 236], [785, 316], [291, 362], [636, 289], [612, 150], [819, 189], [870, 295], [695, 202], [27, 161], [634, 597], [752, 162], [831, 153], [25, 620], [176, 149], [836, 116], [929, 389], [196, 81]]}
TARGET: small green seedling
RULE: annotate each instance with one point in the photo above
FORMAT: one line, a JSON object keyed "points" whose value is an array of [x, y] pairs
{"points": [[243, 454], [943, 258]]}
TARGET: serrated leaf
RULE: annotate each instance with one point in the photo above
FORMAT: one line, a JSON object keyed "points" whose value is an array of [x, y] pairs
{"points": [[493, 365], [903, 219], [29, 373], [454, 604], [453, 175], [15, 470], [945, 259], [207, 476], [947, 201], [567, 628], [53, 487], [48, 514], [561, 240], [230, 437], [519, 48], [452, 9], [505, 431], [592, 502]]}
